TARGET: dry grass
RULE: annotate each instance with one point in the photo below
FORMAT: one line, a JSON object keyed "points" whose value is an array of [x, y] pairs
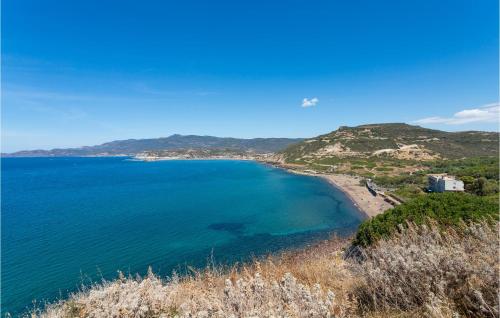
{"points": [[433, 273], [419, 273]]}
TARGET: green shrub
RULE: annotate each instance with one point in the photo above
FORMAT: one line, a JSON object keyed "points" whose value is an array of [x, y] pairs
{"points": [[483, 186], [366, 174], [446, 209], [384, 169], [401, 180], [476, 167], [409, 192]]}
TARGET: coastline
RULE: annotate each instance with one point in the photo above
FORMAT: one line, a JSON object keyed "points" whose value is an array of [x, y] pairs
{"points": [[363, 200], [152, 159], [355, 194]]}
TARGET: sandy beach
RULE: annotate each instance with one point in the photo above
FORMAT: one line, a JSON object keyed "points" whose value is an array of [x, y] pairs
{"points": [[371, 205], [366, 202]]}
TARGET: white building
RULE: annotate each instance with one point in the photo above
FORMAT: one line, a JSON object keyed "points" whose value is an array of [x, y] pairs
{"points": [[442, 183]]}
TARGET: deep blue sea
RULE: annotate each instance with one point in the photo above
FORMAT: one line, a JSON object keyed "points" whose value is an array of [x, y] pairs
{"points": [[68, 221]]}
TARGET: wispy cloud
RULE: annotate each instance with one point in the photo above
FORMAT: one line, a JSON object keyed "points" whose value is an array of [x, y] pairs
{"points": [[310, 102], [484, 114]]}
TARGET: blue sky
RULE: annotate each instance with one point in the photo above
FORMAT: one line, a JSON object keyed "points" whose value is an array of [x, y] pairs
{"points": [[85, 72]]}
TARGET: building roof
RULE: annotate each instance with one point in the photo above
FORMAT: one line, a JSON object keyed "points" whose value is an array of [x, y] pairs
{"points": [[443, 177]]}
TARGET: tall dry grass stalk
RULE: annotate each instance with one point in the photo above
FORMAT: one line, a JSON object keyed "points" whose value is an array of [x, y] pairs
{"points": [[294, 284], [434, 273], [421, 272]]}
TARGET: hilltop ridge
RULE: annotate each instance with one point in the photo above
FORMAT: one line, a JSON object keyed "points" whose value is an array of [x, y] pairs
{"points": [[173, 142], [394, 140], [399, 156]]}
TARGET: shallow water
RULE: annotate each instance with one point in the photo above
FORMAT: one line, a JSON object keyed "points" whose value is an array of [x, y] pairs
{"points": [[68, 221]]}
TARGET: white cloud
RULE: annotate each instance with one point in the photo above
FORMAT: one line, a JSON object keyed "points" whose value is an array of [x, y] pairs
{"points": [[310, 102], [484, 114]]}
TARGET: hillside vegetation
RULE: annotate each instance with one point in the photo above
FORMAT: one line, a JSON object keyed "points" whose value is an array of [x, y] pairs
{"points": [[389, 150], [442, 209], [398, 141], [398, 157]]}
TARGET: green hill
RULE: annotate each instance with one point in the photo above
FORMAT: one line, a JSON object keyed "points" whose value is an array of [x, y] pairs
{"points": [[395, 140]]}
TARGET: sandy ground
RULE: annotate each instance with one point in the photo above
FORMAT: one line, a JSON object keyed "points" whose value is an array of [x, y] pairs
{"points": [[371, 205]]}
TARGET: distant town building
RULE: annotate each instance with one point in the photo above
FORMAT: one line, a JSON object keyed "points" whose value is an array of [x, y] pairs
{"points": [[442, 183], [310, 171]]}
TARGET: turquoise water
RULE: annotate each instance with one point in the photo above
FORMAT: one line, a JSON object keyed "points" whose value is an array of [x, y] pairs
{"points": [[68, 221]]}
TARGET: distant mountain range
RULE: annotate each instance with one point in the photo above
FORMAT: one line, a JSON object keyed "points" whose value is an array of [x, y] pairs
{"points": [[393, 140], [174, 142], [396, 140]]}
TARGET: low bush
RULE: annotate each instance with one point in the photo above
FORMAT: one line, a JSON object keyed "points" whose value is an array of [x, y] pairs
{"points": [[447, 209], [401, 180], [409, 192], [477, 167], [384, 169]]}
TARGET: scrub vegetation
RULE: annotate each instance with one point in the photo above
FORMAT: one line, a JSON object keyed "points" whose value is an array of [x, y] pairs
{"points": [[393, 141], [399, 157], [442, 209]]}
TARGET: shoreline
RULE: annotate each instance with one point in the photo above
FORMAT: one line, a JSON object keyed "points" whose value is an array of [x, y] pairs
{"points": [[347, 194], [361, 198], [152, 159], [348, 185], [368, 204]]}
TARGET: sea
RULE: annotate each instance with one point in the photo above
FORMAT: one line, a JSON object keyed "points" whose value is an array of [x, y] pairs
{"points": [[67, 222]]}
